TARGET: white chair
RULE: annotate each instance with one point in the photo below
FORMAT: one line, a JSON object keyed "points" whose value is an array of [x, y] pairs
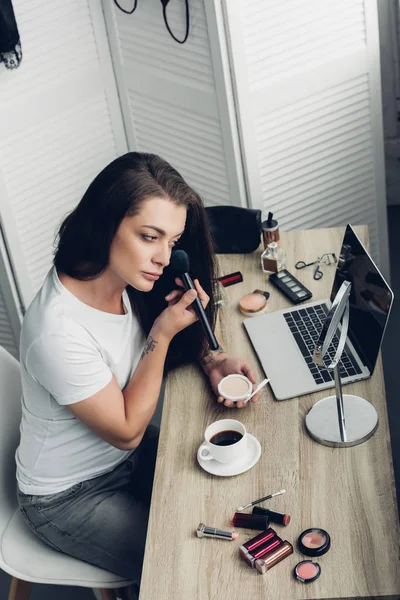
{"points": [[22, 554]]}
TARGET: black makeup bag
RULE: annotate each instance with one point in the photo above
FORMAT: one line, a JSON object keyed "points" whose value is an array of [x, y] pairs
{"points": [[234, 230]]}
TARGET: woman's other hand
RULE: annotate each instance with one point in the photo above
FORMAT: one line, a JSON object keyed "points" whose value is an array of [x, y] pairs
{"points": [[227, 366]]}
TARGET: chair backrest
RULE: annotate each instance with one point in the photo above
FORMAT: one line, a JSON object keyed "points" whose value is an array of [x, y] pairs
{"points": [[10, 417]]}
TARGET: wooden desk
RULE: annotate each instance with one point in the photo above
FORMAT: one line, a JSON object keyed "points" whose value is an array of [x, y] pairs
{"points": [[349, 492]]}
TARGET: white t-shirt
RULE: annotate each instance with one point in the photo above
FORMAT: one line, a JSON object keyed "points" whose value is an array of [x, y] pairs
{"points": [[68, 352]]}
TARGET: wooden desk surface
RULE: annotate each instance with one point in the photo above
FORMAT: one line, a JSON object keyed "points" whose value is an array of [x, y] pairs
{"points": [[349, 492]]}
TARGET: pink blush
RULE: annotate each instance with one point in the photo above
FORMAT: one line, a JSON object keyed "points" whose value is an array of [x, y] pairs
{"points": [[313, 540], [307, 570]]}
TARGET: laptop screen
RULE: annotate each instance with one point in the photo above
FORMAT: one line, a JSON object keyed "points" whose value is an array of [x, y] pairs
{"points": [[370, 297]]}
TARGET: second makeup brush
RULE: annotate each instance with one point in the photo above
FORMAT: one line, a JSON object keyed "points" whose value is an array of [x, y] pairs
{"points": [[261, 500]]}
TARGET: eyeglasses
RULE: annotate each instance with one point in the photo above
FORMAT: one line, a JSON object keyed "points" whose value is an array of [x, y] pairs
{"points": [[326, 259]]}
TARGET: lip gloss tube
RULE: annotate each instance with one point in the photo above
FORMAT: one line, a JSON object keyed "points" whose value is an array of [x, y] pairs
{"points": [[250, 521], [273, 558], [259, 540], [275, 517]]}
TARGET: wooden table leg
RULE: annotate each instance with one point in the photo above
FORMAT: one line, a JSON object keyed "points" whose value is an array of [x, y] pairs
{"points": [[19, 589]]}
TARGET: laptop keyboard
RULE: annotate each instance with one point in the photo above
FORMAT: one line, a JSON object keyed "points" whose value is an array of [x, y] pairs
{"points": [[306, 325]]}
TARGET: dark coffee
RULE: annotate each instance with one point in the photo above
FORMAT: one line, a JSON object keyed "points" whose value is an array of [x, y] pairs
{"points": [[226, 438]]}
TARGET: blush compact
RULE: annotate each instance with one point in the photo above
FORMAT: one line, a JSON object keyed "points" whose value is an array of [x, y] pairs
{"points": [[314, 542], [254, 304], [307, 571]]}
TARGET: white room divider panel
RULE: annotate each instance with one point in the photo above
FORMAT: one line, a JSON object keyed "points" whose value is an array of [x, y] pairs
{"points": [[169, 98], [10, 312], [60, 124], [7, 336], [309, 110]]}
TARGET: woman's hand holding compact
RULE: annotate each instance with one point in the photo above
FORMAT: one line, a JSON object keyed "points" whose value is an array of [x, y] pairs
{"points": [[228, 366]]}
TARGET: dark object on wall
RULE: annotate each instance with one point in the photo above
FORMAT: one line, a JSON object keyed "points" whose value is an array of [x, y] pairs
{"points": [[234, 230], [164, 5], [10, 45], [128, 12]]}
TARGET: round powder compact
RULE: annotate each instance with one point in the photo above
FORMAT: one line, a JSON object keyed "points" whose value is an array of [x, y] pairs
{"points": [[254, 304], [307, 571], [235, 387], [314, 542]]}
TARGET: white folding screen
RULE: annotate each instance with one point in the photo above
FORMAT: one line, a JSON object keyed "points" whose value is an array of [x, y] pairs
{"points": [[8, 339], [275, 105], [169, 97], [306, 77], [60, 124], [10, 308]]}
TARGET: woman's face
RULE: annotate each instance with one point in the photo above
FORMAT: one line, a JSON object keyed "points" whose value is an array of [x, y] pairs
{"points": [[142, 246]]}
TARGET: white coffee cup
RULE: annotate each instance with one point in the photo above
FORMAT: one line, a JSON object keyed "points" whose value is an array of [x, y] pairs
{"points": [[235, 387], [227, 428]]}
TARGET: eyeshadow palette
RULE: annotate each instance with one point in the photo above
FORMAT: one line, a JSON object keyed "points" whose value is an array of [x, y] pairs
{"points": [[290, 286]]}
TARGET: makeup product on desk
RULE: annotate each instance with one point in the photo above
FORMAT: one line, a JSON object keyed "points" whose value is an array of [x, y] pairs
{"points": [[314, 542], [273, 558], [220, 296], [307, 571], [290, 287], [273, 259], [205, 531], [231, 279], [261, 500], [275, 517], [259, 540], [254, 304], [249, 521], [272, 542], [270, 230]]}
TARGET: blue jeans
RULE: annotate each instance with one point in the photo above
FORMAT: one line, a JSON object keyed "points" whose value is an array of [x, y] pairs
{"points": [[102, 521]]}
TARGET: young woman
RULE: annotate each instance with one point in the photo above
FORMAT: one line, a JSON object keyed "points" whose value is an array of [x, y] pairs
{"points": [[109, 320]]}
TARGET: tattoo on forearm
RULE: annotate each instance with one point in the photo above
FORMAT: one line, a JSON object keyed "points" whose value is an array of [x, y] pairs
{"points": [[149, 346], [209, 357]]}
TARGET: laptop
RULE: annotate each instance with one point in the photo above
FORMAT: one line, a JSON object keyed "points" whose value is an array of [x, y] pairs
{"points": [[285, 340]]}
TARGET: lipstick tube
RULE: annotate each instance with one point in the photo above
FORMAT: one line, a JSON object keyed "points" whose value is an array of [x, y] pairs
{"points": [[231, 279], [250, 546], [262, 551], [268, 547], [275, 517], [250, 521], [258, 540], [205, 531], [273, 558]]}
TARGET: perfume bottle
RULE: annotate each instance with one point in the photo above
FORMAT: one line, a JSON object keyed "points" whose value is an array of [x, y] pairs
{"points": [[270, 231], [273, 259]]}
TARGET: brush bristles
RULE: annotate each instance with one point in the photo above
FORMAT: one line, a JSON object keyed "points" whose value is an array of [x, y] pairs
{"points": [[180, 261]]}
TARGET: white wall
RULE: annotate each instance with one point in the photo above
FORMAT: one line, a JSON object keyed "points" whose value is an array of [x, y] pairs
{"points": [[60, 124]]}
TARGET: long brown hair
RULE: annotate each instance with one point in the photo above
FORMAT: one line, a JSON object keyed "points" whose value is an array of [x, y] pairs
{"points": [[85, 237]]}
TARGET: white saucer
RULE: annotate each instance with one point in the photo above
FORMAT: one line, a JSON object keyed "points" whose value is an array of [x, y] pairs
{"points": [[242, 464]]}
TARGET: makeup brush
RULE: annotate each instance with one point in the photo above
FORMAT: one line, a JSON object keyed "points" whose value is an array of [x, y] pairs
{"points": [[258, 388], [261, 500]]}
